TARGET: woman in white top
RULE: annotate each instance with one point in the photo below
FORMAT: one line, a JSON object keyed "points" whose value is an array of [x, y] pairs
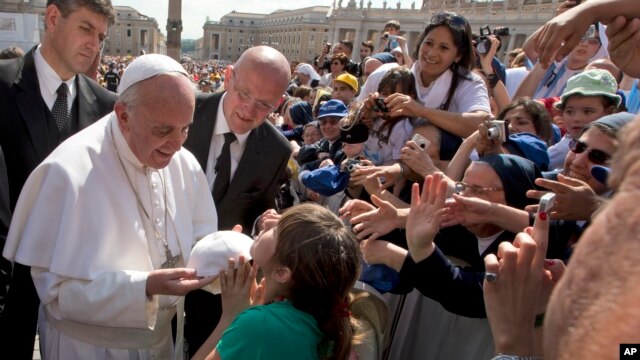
{"points": [[450, 96]]}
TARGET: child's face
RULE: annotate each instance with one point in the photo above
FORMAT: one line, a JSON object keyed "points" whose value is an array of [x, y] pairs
{"points": [[581, 110], [352, 150], [343, 92]]}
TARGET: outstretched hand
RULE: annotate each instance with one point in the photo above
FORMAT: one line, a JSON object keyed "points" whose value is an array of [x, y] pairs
{"points": [[425, 215], [521, 287], [466, 211], [377, 222], [575, 199], [177, 282]]}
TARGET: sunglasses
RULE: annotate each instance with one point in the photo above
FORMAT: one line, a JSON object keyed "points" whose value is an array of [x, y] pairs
{"points": [[596, 156], [474, 189], [449, 18]]}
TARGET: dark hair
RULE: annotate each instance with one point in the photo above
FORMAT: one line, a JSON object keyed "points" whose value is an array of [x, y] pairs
{"points": [[321, 100], [102, 7], [342, 57], [302, 91], [348, 44], [368, 44], [11, 53], [460, 30], [400, 77], [392, 23], [539, 116], [322, 254]]}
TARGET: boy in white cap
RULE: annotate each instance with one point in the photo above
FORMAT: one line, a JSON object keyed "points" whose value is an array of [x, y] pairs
{"points": [[108, 220]]}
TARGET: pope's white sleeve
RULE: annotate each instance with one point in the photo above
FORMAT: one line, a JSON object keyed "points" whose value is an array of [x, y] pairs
{"points": [[114, 299]]}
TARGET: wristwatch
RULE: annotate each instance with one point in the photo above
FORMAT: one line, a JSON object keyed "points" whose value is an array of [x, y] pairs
{"points": [[516, 357]]}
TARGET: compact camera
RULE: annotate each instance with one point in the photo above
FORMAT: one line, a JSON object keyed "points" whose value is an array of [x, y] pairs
{"points": [[389, 37], [380, 105], [421, 141], [483, 44], [591, 32], [498, 130], [352, 165]]}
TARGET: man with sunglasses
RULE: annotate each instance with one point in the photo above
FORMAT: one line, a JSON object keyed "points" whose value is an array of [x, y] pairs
{"points": [[45, 98], [578, 193], [243, 156]]}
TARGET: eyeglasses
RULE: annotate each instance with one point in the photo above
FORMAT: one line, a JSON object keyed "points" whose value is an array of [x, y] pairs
{"points": [[474, 189], [245, 97], [450, 18], [596, 156]]}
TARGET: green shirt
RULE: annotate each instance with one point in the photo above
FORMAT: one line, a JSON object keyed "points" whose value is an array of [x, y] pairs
{"points": [[274, 331]]}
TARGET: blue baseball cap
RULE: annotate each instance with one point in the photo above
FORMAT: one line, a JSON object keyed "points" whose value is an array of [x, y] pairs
{"points": [[333, 108], [529, 147]]}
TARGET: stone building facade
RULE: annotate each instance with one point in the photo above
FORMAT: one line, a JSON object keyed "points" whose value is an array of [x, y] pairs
{"points": [[300, 34], [134, 34], [361, 22]]}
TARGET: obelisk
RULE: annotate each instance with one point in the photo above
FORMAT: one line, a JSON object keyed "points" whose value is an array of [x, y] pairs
{"points": [[174, 29]]}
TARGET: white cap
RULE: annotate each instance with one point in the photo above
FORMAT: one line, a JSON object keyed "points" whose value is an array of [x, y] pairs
{"points": [[148, 66], [211, 254]]}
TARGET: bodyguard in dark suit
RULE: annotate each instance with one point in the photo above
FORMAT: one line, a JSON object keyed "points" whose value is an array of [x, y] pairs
{"points": [[45, 99], [243, 156]]}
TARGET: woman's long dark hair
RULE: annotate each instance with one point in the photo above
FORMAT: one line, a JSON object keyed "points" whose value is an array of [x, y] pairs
{"points": [[460, 29], [323, 257]]}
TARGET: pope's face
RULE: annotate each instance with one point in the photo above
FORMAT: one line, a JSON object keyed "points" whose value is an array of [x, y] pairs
{"points": [[157, 127]]}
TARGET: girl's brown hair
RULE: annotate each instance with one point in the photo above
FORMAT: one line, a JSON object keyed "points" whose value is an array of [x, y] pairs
{"points": [[323, 257]]}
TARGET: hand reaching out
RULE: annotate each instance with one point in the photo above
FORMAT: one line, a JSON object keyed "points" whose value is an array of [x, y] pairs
{"points": [[425, 215], [377, 222], [575, 200]]}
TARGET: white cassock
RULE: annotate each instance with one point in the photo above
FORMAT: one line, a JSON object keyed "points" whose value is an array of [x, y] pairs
{"points": [[80, 227]]}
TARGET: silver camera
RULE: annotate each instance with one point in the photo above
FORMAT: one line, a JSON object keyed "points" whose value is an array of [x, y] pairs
{"points": [[498, 130], [352, 165]]}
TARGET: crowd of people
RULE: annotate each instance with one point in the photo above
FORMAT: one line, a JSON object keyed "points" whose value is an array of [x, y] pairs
{"points": [[397, 205]]}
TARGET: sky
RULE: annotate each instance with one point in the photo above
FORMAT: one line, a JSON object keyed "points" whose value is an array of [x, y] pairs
{"points": [[195, 12]]}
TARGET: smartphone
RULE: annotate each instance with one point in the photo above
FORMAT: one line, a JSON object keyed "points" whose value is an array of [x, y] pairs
{"points": [[421, 141], [380, 105], [546, 202]]}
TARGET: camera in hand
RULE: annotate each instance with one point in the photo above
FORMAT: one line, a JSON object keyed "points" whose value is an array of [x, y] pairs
{"points": [[380, 105], [352, 165], [498, 130], [483, 44]]}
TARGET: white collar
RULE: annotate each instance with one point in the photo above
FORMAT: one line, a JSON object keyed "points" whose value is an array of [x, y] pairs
{"points": [[124, 151], [48, 78]]}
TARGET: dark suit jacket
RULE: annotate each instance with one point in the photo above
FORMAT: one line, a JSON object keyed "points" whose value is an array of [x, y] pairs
{"points": [[259, 173], [28, 136]]}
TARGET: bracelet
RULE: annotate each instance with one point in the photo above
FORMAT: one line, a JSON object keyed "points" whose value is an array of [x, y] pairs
{"points": [[539, 320]]}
